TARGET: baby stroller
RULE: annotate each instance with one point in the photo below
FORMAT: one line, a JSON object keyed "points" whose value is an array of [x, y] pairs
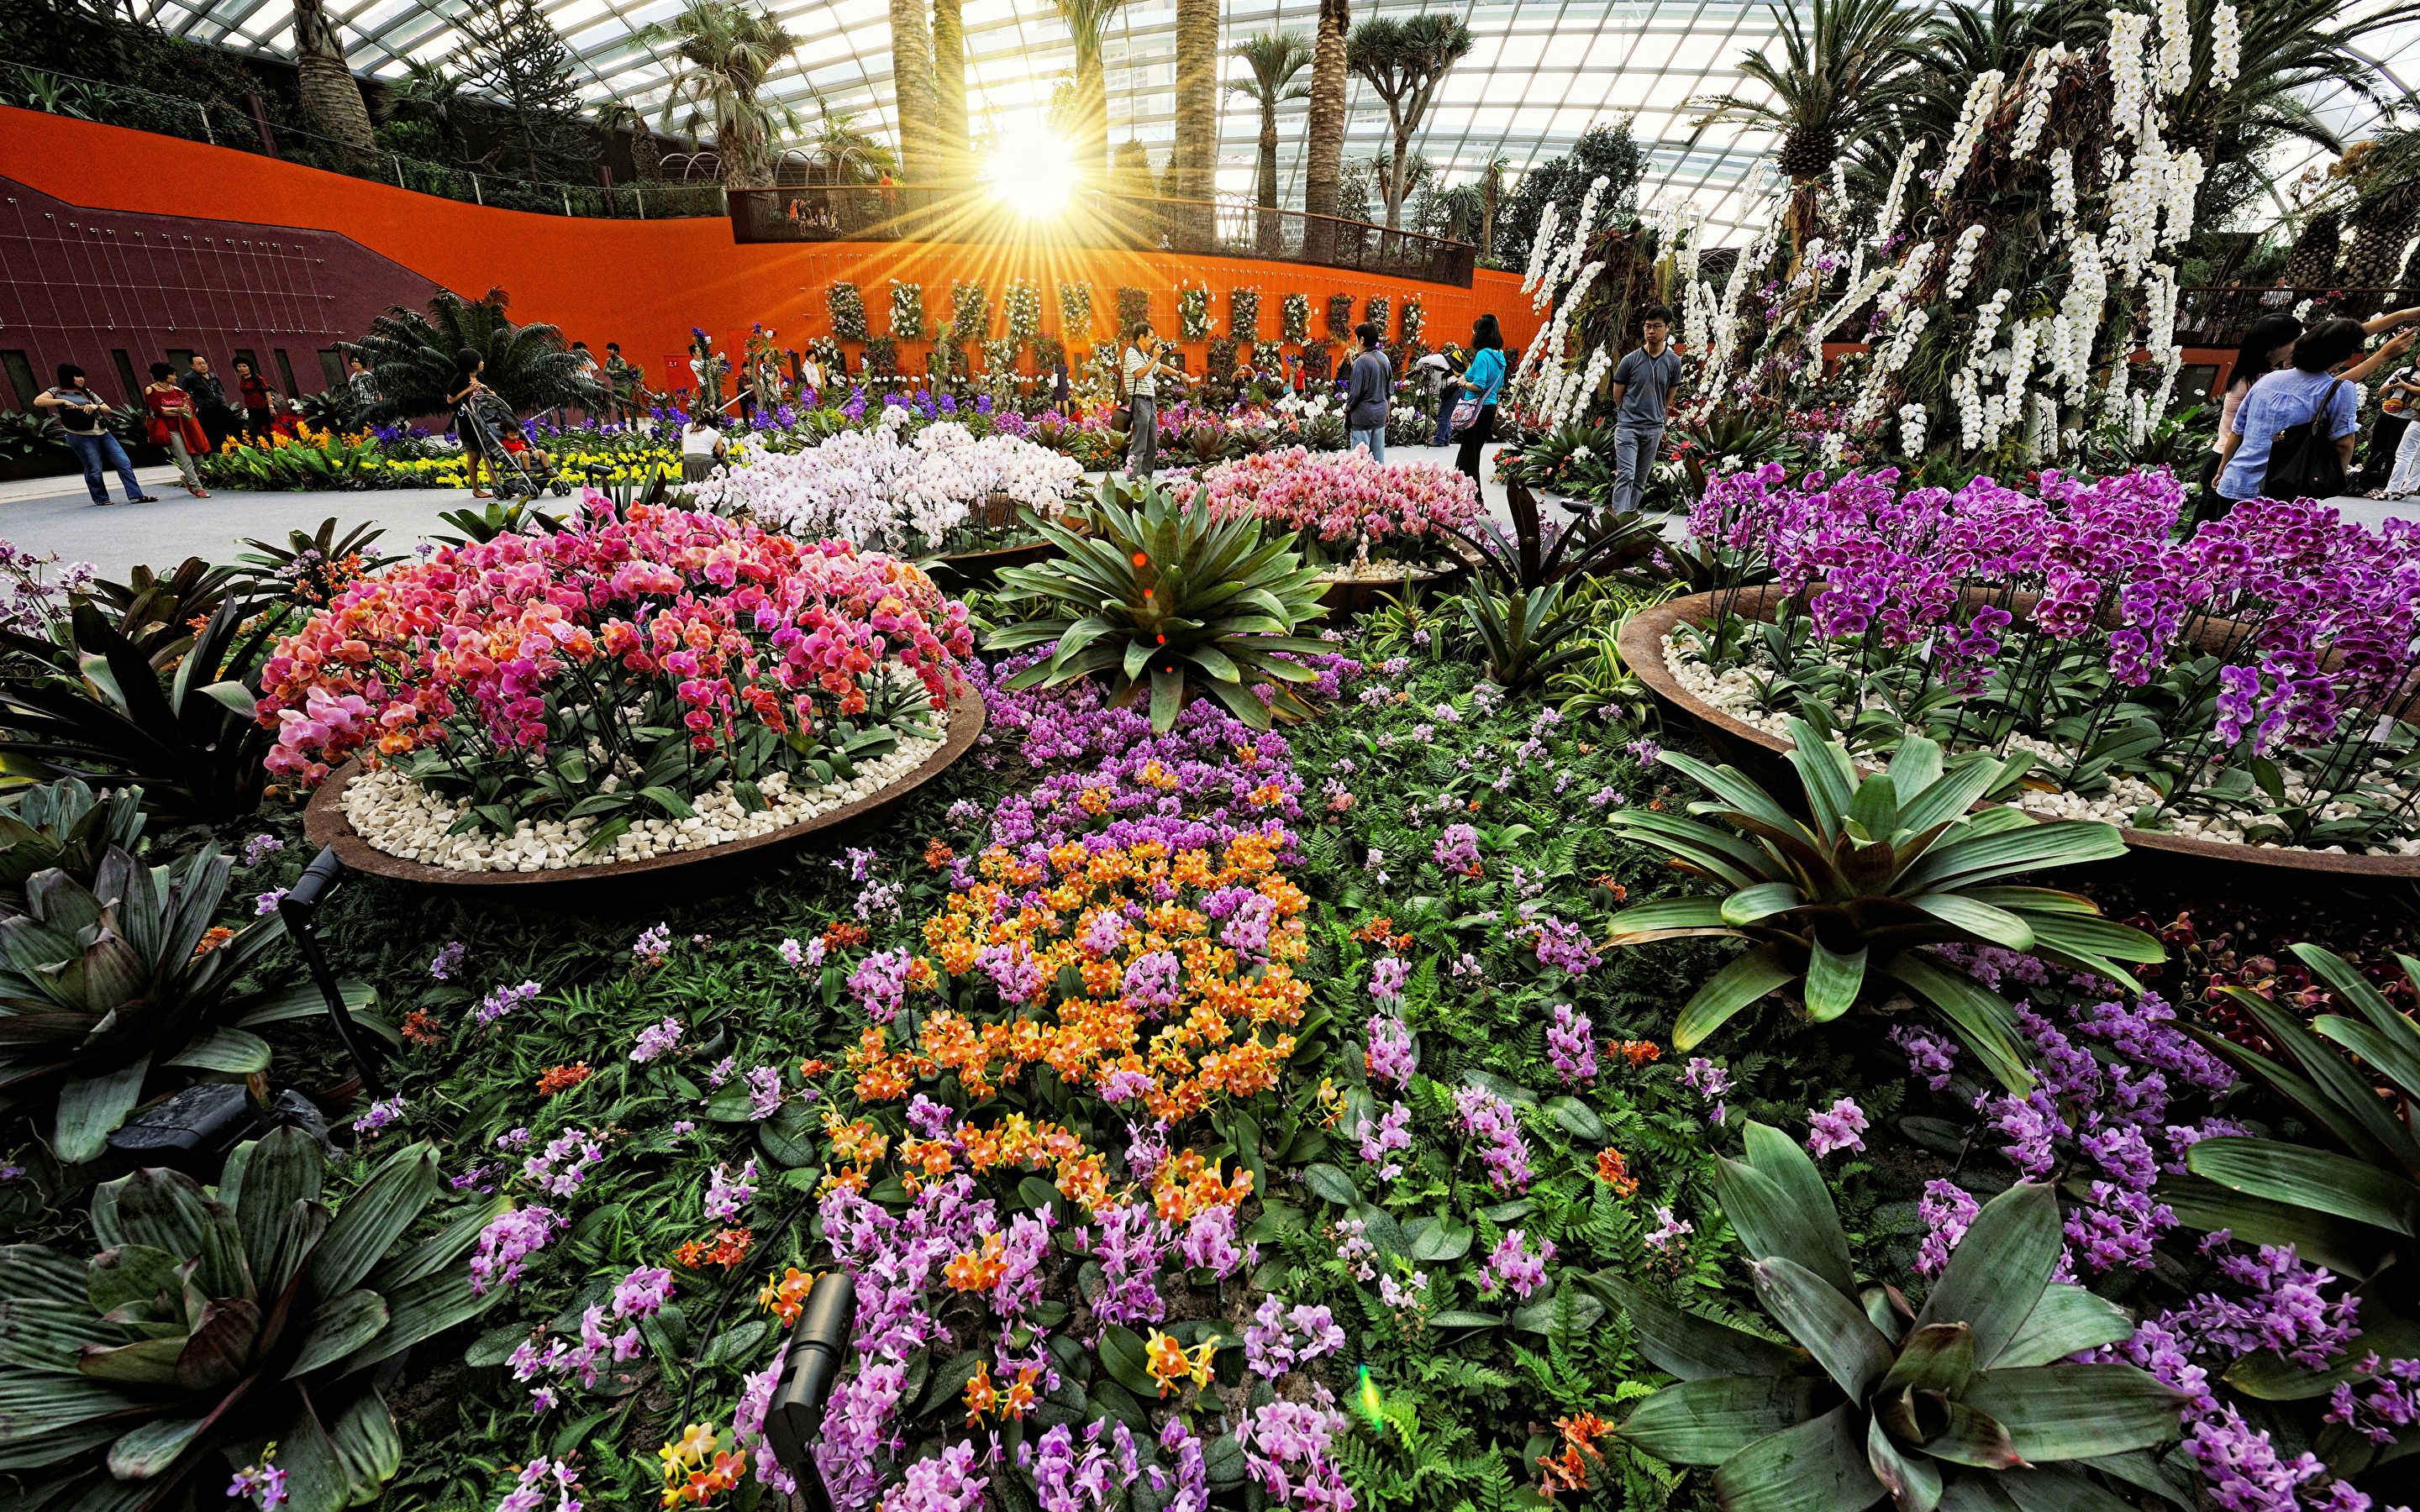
{"points": [[520, 468]]}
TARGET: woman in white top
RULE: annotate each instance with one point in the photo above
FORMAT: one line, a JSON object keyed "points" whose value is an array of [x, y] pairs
{"points": [[702, 448]]}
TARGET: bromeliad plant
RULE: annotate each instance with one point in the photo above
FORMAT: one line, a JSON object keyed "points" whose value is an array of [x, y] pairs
{"points": [[217, 1321], [1166, 597], [62, 825], [1964, 1404], [101, 984], [1887, 867]]}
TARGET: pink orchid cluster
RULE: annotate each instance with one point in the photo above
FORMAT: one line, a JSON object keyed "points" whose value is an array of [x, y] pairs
{"points": [[477, 649], [1344, 496]]}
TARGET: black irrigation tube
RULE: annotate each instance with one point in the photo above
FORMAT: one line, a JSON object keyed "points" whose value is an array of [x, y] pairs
{"points": [[714, 1320]]}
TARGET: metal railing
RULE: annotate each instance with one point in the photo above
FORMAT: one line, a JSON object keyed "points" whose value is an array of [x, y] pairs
{"points": [[225, 124], [2220, 315], [1227, 226]]}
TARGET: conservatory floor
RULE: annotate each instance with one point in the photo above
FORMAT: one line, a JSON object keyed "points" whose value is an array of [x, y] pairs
{"points": [[55, 516]]}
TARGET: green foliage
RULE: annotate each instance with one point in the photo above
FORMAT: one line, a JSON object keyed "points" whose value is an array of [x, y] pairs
{"points": [[100, 710], [1608, 150], [413, 357], [1965, 1403], [1162, 587], [61, 826], [215, 1319], [1890, 865]]}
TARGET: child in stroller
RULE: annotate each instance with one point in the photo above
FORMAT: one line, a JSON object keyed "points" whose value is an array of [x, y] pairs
{"points": [[491, 432]]}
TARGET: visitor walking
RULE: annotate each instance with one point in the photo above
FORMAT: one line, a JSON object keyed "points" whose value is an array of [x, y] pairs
{"points": [[1145, 360], [84, 417], [209, 400], [1642, 391], [2403, 390], [621, 383], [465, 395], [2292, 435], [364, 385], [175, 425], [1436, 370], [259, 402], [1482, 384], [1367, 389]]}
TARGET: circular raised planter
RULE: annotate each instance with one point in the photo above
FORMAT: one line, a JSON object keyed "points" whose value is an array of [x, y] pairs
{"points": [[1761, 754], [981, 569], [1359, 595], [643, 881]]}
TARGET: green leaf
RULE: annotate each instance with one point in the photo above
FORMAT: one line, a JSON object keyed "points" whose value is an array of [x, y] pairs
{"points": [[2076, 1412], [1446, 1238], [1777, 1202], [1690, 1347], [2068, 1320], [1995, 926], [1832, 1327], [1819, 1466], [151, 1447], [340, 1325], [1997, 1276], [1936, 1357], [1462, 1319], [1913, 1481], [1752, 976], [2057, 1488], [2346, 1247], [1763, 901], [92, 1107], [1331, 1183], [2319, 1178], [1129, 1364], [1832, 979], [234, 1052], [1705, 1422], [1574, 1118], [374, 1217], [1981, 1018]]}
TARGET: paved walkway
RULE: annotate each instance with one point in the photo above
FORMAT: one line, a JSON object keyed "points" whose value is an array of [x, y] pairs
{"points": [[54, 515]]}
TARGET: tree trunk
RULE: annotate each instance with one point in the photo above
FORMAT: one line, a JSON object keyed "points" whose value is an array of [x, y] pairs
{"points": [[2384, 225], [1266, 239], [1192, 167], [911, 81], [1490, 186], [949, 92], [1092, 98], [331, 96], [1323, 169], [1395, 180]]}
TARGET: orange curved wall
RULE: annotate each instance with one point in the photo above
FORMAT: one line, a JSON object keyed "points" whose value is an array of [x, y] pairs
{"points": [[646, 282]]}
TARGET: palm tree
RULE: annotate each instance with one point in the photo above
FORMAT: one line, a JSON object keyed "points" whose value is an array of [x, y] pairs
{"points": [[2385, 173], [726, 50], [1844, 68], [1404, 61], [1962, 40], [1086, 20], [1275, 60], [911, 81], [1323, 156], [1491, 195], [842, 154], [956, 162], [616, 117], [1192, 166], [331, 95], [412, 356]]}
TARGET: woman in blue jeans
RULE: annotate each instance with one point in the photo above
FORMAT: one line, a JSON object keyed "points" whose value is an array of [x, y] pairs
{"points": [[83, 415]]}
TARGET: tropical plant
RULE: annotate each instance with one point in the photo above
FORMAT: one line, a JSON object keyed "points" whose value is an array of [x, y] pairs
{"points": [[950, 131], [2349, 1207], [1965, 1404], [216, 1321], [103, 985], [102, 713], [1527, 637], [1193, 161], [413, 356], [1888, 866], [1323, 150], [62, 827], [1535, 552], [1404, 59], [324, 81], [726, 48], [1273, 62], [1088, 23], [500, 516], [158, 613], [312, 566], [1164, 587], [912, 83]]}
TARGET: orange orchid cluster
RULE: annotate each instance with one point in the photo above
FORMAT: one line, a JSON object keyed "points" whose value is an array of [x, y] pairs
{"points": [[1080, 924], [1614, 1171], [727, 1249], [1015, 1140], [697, 1468], [785, 1296], [557, 1079], [984, 1397], [1185, 1184], [1170, 1363], [1569, 1470], [845, 934], [937, 854], [1638, 1051], [1380, 931], [422, 1027], [856, 1144]]}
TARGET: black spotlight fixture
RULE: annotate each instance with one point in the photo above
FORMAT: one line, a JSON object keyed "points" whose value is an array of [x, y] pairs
{"points": [[817, 1353]]}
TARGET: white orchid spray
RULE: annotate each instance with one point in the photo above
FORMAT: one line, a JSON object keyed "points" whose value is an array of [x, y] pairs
{"points": [[2042, 77], [1894, 199], [1541, 246], [2226, 47], [1911, 428], [1961, 261], [1982, 98]]}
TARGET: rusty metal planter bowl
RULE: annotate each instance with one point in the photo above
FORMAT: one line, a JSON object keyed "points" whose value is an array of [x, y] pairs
{"points": [[1348, 597], [652, 881], [1760, 754]]}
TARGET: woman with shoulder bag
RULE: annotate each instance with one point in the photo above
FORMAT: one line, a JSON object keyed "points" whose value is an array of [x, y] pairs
{"points": [[1482, 384], [177, 425], [2292, 435]]}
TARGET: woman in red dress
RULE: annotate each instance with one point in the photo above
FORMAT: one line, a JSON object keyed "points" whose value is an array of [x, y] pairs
{"points": [[176, 425], [260, 401]]}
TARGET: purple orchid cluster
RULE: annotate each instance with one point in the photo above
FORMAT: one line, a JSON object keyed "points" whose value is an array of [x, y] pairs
{"points": [[2276, 626]]}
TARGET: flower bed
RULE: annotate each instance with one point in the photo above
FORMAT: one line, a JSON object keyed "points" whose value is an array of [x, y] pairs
{"points": [[929, 492], [622, 687], [1373, 519], [2250, 685]]}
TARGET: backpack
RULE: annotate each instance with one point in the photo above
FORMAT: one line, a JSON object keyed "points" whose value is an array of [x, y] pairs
{"points": [[2304, 462]]}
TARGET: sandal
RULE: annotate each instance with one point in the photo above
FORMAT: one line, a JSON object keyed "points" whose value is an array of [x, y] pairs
{"points": [[481, 493], [199, 493]]}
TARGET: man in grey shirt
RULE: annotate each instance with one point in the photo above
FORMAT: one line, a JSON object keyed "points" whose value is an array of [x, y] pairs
{"points": [[1144, 361], [1642, 385], [1366, 390]]}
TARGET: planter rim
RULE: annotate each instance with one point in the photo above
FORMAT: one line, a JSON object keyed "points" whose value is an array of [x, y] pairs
{"points": [[1641, 643], [325, 821]]}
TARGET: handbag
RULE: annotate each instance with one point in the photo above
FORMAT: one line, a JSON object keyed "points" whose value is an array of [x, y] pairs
{"points": [[1466, 415], [2304, 462]]}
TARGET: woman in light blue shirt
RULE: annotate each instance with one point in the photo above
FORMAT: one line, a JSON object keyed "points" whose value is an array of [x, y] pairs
{"points": [[1481, 379], [2306, 392]]}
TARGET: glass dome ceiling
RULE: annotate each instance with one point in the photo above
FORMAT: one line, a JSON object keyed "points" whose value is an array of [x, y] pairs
{"points": [[1538, 76]]}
